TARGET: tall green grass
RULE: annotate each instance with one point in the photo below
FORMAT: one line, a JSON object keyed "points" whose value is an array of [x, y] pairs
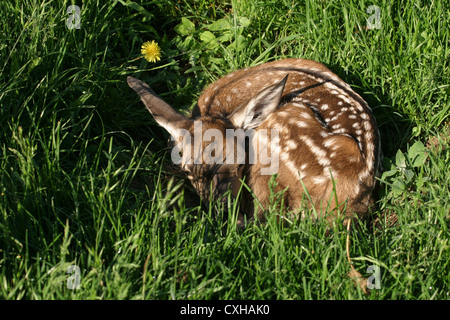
{"points": [[85, 179]]}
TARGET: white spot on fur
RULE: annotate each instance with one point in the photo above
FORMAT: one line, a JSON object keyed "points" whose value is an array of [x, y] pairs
{"points": [[306, 115], [330, 142], [319, 179], [364, 174], [336, 116], [291, 166], [356, 190], [298, 105], [369, 137], [324, 161], [329, 85], [291, 144], [280, 128], [342, 130], [316, 150], [345, 98]]}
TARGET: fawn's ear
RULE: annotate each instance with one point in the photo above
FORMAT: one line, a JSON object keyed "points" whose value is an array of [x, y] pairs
{"points": [[259, 107], [164, 114]]}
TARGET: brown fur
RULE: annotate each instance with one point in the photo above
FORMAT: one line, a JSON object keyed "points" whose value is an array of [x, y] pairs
{"points": [[328, 139]]}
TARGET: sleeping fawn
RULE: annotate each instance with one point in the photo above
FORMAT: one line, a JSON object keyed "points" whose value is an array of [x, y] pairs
{"points": [[293, 118]]}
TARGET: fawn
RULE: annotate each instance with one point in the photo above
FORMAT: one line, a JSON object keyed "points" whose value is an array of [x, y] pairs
{"points": [[321, 137]]}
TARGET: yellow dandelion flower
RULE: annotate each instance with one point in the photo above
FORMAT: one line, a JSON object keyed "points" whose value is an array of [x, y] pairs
{"points": [[151, 51]]}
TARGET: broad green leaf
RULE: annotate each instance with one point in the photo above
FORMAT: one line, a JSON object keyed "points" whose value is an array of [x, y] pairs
{"points": [[185, 28], [219, 25], [225, 37], [185, 44], [245, 22], [209, 39], [239, 44], [389, 173], [400, 160], [408, 175], [417, 155], [398, 187]]}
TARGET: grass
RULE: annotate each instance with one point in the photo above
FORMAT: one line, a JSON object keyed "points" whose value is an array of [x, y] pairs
{"points": [[85, 179]]}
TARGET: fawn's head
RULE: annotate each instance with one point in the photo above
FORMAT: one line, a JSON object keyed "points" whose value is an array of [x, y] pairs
{"points": [[211, 150]]}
